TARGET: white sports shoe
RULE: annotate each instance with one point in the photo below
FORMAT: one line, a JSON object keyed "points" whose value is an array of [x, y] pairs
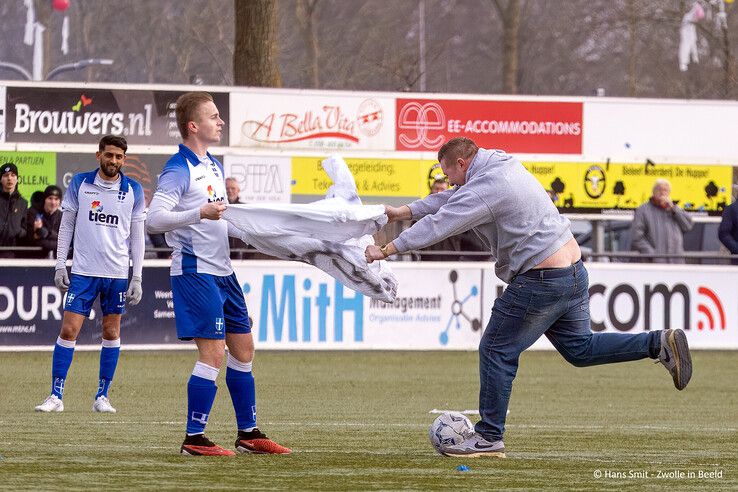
{"points": [[51, 404], [102, 404]]}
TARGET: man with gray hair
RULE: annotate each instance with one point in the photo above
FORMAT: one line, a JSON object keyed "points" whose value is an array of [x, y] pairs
{"points": [[659, 225]]}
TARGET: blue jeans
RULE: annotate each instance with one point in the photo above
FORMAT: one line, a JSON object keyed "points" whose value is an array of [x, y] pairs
{"points": [[554, 302]]}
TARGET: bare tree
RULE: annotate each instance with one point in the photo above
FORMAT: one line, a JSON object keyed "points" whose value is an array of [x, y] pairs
{"points": [[306, 16], [729, 81], [632, 29], [254, 53], [627, 47], [510, 15]]}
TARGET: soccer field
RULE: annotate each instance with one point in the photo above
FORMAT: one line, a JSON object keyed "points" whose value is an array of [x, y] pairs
{"points": [[359, 420]]}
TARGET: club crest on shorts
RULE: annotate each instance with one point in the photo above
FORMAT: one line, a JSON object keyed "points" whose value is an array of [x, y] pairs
{"points": [[219, 325]]}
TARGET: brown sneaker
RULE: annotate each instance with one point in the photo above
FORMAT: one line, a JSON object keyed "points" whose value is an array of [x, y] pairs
{"points": [[199, 445], [257, 443]]}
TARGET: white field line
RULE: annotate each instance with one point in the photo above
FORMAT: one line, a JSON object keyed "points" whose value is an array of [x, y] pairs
{"points": [[519, 455], [368, 425], [90, 348]]}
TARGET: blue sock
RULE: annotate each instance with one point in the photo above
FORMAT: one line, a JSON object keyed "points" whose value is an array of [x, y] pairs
{"points": [[108, 362], [240, 383], [201, 391], [60, 362]]}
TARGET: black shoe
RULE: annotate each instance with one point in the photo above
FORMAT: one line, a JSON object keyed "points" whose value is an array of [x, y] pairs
{"points": [[199, 445], [257, 442]]}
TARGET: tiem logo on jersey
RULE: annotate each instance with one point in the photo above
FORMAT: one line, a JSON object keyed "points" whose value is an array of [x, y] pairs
{"points": [[213, 196], [97, 215]]}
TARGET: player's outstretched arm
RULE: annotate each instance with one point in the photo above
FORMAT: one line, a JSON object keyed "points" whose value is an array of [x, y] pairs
{"points": [[162, 219]]}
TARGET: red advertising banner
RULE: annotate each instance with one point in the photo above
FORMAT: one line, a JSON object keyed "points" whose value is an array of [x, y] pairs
{"points": [[513, 126]]}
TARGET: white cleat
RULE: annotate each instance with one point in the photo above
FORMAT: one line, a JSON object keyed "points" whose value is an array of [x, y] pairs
{"points": [[51, 404], [102, 404]]}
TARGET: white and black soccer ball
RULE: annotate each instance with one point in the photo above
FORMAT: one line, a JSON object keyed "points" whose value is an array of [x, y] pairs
{"points": [[449, 429]]}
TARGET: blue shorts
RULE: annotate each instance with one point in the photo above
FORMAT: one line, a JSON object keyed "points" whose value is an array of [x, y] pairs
{"points": [[83, 290], [208, 306]]}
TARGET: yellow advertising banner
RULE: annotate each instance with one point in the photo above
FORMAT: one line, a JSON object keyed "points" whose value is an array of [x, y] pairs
{"points": [[576, 187], [374, 177], [579, 187]]}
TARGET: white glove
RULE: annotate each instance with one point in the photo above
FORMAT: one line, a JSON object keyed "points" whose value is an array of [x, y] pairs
{"points": [[61, 279], [134, 291]]}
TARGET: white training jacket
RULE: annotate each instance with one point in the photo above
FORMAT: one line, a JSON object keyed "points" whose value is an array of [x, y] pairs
{"points": [[330, 234]]}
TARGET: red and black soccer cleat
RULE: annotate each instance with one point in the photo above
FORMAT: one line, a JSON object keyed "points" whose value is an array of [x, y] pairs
{"points": [[199, 445], [257, 443]]}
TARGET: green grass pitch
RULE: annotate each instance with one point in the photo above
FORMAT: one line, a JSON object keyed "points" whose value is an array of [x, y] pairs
{"points": [[359, 421]]}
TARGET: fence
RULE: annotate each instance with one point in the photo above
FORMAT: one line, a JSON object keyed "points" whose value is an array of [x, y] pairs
{"points": [[439, 306]]}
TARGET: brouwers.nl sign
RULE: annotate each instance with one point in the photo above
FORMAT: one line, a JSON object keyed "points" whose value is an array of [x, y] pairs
{"points": [[83, 115], [312, 122]]}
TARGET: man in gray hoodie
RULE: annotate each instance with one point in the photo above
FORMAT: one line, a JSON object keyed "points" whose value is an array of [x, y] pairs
{"points": [[536, 254]]}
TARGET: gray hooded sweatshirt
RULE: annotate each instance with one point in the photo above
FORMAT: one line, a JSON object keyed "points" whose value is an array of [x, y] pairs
{"points": [[505, 206]]}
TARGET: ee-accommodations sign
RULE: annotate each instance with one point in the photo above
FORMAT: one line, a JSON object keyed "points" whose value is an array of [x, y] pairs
{"points": [[83, 115], [531, 127]]}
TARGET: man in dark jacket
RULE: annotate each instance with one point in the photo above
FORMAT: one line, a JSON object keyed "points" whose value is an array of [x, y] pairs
{"points": [[728, 231], [13, 209], [43, 226]]}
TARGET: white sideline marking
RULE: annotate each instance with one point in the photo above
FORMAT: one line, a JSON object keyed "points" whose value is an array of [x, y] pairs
{"points": [[367, 425], [522, 455], [465, 412], [90, 348]]}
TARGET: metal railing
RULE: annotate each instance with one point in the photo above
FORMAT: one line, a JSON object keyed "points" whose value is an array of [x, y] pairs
{"points": [[689, 257]]}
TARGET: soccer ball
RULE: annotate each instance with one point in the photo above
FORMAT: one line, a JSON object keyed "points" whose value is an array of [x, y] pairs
{"points": [[448, 429]]}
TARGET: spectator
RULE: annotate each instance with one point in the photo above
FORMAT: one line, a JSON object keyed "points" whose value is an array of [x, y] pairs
{"points": [[43, 226], [659, 225], [37, 202], [13, 208], [464, 242], [232, 190], [728, 231], [439, 185]]}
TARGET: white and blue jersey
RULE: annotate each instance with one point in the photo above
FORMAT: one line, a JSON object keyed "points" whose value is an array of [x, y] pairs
{"points": [[103, 226], [188, 182]]}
